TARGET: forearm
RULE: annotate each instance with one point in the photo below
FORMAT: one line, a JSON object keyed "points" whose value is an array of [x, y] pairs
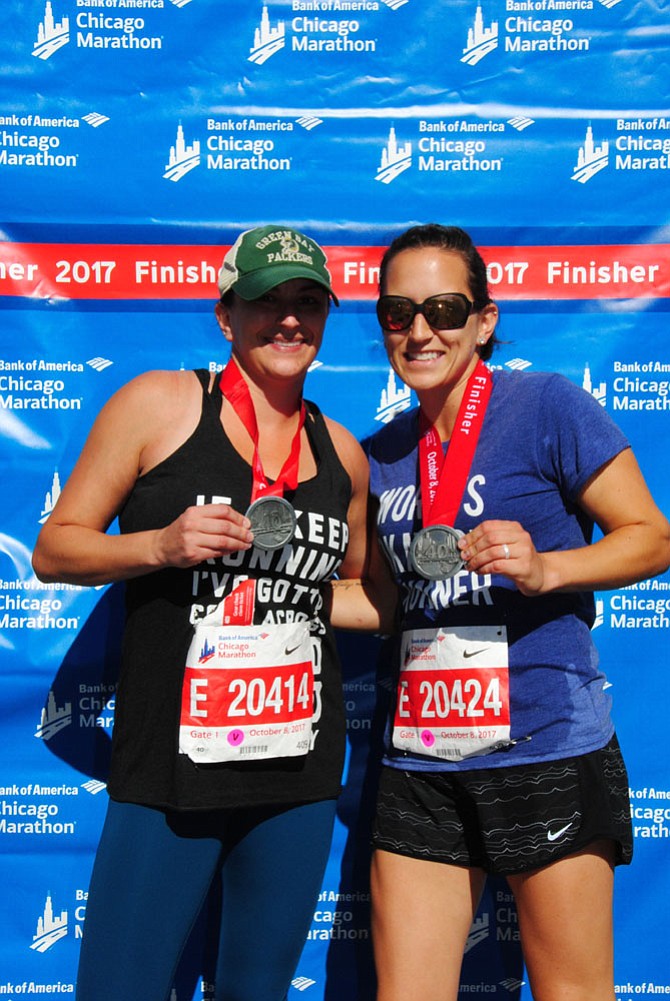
{"points": [[357, 604], [75, 554], [84, 554], [624, 556]]}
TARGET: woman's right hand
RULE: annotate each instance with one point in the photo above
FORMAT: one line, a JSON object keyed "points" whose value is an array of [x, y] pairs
{"points": [[202, 532], [143, 423]]}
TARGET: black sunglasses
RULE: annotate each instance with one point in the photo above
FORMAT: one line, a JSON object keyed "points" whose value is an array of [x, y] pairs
{"points": [[448, 311]]}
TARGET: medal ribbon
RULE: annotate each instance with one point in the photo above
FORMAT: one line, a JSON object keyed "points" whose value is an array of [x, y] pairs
{"points": [[236, 391], [444, 477]]}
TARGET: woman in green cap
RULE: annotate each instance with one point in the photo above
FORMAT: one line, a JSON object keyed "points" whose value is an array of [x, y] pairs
{"points": [[236, 500]]}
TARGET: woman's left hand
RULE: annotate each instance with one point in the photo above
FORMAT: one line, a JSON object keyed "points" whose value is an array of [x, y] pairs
{"points": [[504, 547]]}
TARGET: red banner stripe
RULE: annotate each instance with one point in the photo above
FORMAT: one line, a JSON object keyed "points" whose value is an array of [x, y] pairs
{"points": [[53, 271]]}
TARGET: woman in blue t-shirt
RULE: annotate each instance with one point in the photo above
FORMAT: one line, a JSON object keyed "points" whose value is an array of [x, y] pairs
{"points": [[501, 755]]}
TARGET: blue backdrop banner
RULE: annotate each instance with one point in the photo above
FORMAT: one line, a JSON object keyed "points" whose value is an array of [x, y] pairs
{"points": [[137, 138]]}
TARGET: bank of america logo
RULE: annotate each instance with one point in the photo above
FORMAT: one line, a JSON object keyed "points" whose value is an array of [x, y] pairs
{"points": [[99, 363], [182, 157], [51, 34], [309, 122], [598, 392], [302, 983], [520, 122], [54, 718], [609, 3], [395, 4], [512, 984], [591, 158], [396, 157], [94, 786], [268, 39], [394, 398], [50, 928], [179, 3], [481, 39], [518, 364], [95, 120]]}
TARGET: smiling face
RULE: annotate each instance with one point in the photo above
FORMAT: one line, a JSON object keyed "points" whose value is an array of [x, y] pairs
{"points": [[434, 362], [277, 336]]}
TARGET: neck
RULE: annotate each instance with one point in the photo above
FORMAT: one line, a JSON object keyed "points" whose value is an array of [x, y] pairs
{"points": [[273, 399], [440, 412], [440, 404]]}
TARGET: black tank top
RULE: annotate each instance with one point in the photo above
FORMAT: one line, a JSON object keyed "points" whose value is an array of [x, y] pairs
{"points": [[161, 608]]}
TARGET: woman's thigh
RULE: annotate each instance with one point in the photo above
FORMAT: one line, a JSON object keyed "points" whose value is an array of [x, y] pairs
{"points": [[422, 912], [565, 921], [151, 874], [272, 876]]}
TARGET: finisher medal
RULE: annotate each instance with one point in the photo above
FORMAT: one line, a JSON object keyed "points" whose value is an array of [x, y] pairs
{"points": [[434, 552], [273, 522]]}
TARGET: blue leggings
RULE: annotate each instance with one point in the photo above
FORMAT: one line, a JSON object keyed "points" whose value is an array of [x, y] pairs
{"points": [[152, 873]]}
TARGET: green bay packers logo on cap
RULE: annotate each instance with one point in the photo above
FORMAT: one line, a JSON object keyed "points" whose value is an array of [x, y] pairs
{"points": [[269, 255], [290, 250]]}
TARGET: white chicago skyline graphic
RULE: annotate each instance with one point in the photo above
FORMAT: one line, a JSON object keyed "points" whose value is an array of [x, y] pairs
{"points": [[268, 39], [598, 392], [394, 398], [183, 157], [54, 718], [591, 158], [50, 928], [396, 158], [51, 34], [50, 498], [481, 39], [479, 931]]}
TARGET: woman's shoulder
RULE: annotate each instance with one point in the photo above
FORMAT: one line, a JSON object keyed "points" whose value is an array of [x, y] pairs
{"points": [[158, 383], [347, 447], [154, 393], [518, 380], [152, 412], [547, 389]]}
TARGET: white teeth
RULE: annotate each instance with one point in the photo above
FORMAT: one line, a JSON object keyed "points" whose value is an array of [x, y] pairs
{"points": [[423, 355]]}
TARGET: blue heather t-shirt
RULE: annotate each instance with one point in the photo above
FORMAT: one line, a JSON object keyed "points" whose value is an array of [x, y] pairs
{"points": [[542, 440]]}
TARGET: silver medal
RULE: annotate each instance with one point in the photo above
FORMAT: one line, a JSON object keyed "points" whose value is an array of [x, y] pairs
{"points": [[273, 522], [434, 552]]}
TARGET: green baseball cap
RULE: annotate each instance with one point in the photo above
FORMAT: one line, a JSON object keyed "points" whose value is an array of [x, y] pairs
{"points": [[268, 255]]}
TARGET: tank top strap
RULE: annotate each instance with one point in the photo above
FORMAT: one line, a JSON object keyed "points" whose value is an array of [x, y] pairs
{"points": [[212, 396], [202, 375], [318, 434]]}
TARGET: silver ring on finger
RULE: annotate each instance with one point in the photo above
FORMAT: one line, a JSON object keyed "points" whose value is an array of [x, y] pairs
{"points": [[506, 551]]}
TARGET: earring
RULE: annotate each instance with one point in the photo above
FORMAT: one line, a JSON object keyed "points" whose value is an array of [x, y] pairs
{"points": [[482, 340]]}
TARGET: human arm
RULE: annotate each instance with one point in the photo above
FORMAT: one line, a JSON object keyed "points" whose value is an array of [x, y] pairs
{"points": [[635, 543], [364, 596], [141, 425]]}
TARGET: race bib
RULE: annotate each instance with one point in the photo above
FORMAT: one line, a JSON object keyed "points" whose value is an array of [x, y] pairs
{"points": [[248, 693], [453, 692]]}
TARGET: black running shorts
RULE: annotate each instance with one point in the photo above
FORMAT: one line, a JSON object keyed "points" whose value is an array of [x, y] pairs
{"points": [[507, 820]]}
